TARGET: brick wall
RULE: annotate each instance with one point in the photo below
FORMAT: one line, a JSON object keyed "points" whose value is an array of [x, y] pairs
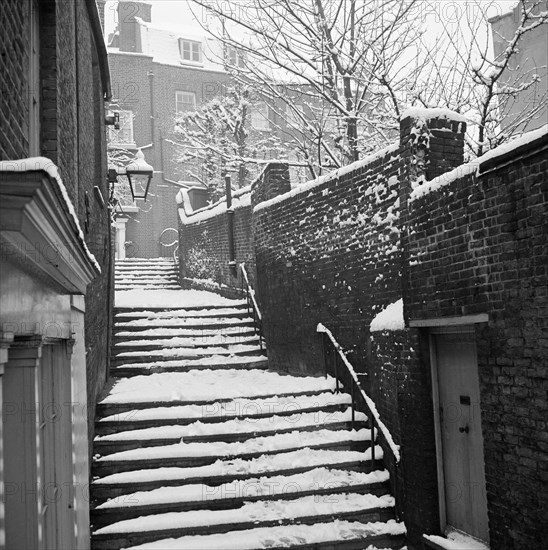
{"points": [[14, 60], [478, 245], [403, 224], [203, 240]]}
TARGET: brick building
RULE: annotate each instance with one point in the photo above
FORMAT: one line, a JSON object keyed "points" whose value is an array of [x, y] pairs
{"points": [[530, 59], [158, 72], [55, 266], [432, 276]]}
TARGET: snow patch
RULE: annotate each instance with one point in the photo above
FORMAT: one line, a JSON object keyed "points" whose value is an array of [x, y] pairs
{"points": [[390, 318], [170, 298], [425, 114]]}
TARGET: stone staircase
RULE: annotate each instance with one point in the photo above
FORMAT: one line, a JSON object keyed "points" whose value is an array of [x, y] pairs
{"points": [[144, 273], [199, 446]]}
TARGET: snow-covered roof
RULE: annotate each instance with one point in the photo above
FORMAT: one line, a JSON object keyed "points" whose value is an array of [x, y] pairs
{"points": [[162, 43]]}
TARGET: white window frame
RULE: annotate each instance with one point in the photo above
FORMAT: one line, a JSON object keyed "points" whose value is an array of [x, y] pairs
{"points": [[181, 106], [124, 135], [234, 57], [190, 51], [260, 119]]}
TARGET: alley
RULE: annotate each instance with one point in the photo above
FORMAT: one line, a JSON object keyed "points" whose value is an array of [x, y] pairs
{"points": [[200, 445]]}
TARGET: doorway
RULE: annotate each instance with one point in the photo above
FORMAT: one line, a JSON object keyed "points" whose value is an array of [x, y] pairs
{"points": [[459, 439]]}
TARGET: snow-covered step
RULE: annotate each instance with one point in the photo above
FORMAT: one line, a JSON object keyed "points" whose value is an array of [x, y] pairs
{"points": [[181, 412], [212, 386], [198, 454], [349, 535], [318, 481], [151, 355], [185, 342], [210, 323], [228, 431], [165, 333], [225, 471], [252, 515], [226, 312]]}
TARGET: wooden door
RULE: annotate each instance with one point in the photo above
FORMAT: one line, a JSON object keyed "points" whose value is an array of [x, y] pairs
{"points": [[56, 447], [460, 436]]}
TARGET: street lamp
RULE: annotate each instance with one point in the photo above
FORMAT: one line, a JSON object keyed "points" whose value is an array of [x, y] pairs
{"points": [[139, 173]]}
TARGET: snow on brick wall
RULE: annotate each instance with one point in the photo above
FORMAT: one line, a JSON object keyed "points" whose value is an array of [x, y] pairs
{"points": [[479, 245]]}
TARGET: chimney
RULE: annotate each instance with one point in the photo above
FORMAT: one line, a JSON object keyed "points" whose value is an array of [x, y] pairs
{"points": [[129, 28]]}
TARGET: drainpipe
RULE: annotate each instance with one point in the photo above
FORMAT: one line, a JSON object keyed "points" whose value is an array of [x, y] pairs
{"points": [[150, 75], [230, 220]]}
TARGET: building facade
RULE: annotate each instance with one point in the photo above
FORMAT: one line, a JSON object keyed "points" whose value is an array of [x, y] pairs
{"points": [[159, 72], [528, 110], [55, 266]]}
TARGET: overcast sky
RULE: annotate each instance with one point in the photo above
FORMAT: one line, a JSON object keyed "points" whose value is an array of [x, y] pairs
{"points": [[172, 12]]}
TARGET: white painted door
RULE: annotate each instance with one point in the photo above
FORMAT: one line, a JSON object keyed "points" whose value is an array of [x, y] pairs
{"points": [[56, 445], [460, 433]]}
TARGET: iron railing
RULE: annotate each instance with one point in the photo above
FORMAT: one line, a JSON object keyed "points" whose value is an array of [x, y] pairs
{"points": [[252, 306], [166, 250], [344, 374]]}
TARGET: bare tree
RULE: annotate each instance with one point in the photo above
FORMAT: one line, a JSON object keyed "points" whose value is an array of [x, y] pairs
{"points": [[459, 70], [340, 58], [219, 137]]}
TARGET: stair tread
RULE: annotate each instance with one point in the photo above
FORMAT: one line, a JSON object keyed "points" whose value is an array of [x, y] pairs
{"points": [[239, 467], [310, 481], [246, 406], [184, 321], [211, 385], [217, 449], [259, 511], [188, 352], [237, 426]]}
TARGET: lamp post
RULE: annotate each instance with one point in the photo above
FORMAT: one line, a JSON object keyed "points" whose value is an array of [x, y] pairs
{"points": [[139, 174]]}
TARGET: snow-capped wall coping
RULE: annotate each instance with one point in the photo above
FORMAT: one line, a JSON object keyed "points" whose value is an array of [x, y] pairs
{"points": [[390, 318], [240, 199], [475, 166], [34, 164], [422, 113], [328, 177], [370, 403]]}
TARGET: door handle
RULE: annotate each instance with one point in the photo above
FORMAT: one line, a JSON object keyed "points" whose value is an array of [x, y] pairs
{"points": [[465, 430]]}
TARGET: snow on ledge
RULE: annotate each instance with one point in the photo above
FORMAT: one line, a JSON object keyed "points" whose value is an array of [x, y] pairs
{"points": [[422, 113], [390, 318], [34, 164], [505, 148], [370, 403], [443, 180], [328, 177], [457, 541], [474, 167], [240, 199]]}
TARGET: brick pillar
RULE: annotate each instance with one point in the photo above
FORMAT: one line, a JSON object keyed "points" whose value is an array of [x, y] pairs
{"points": [[431, 144], [273, 181]]}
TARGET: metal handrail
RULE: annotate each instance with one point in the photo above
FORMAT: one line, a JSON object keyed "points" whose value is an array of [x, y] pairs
{"points": [[344, 373], [175, 242], [252, 306]]}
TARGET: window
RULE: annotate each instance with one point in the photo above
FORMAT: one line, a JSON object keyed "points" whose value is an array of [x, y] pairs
{"points": [[259, 117], [295, 117], [190, 50], [185, 102], [234, 57], [124, 135]]}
